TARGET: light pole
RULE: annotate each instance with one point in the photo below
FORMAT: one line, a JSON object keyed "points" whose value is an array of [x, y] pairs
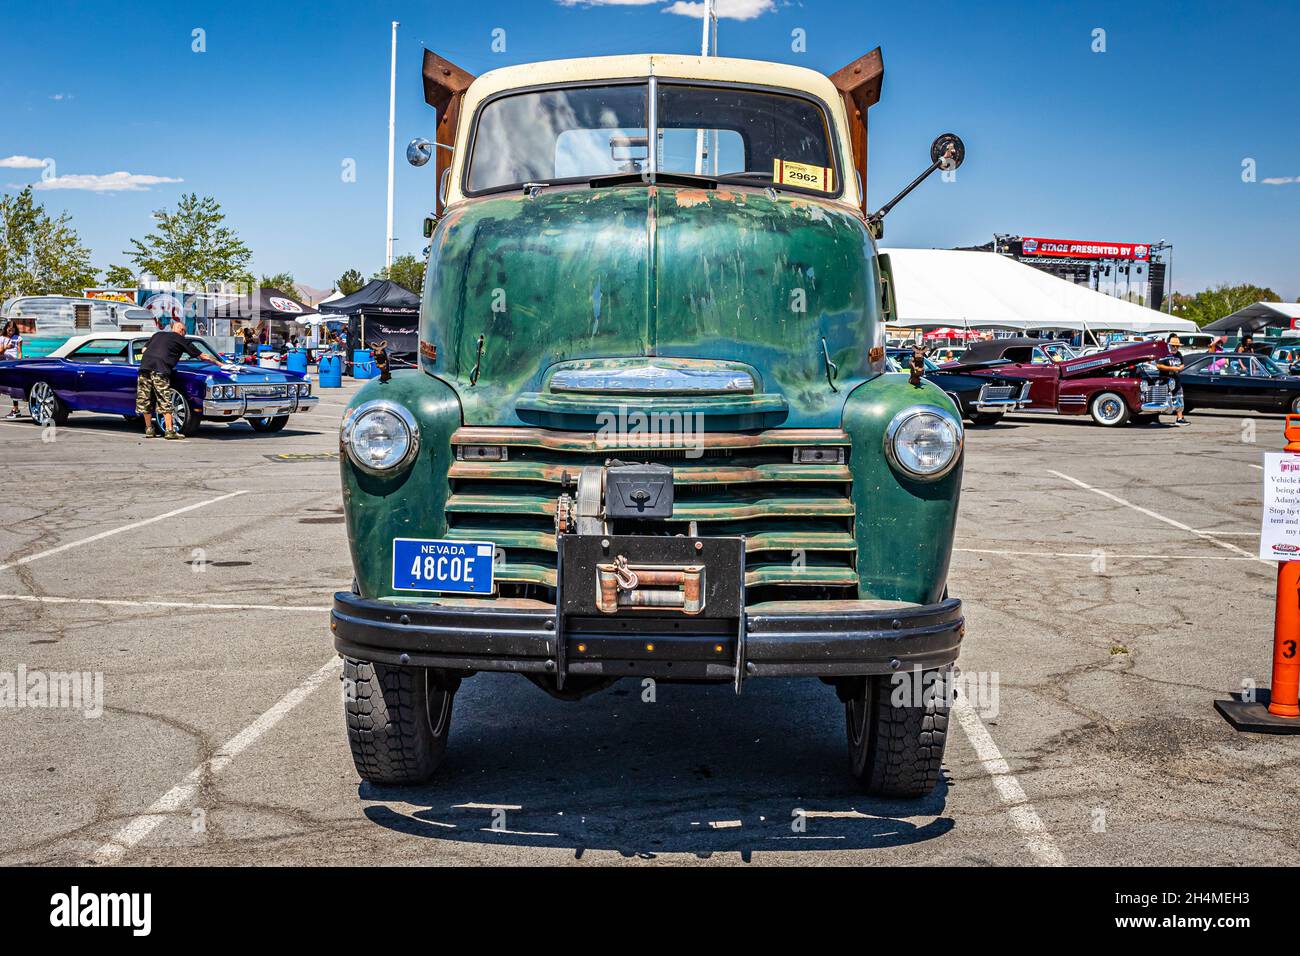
{"points": [[392, 133]]}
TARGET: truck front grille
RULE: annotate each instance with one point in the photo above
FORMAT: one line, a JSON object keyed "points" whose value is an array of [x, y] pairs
{"points": [[796, 517]]}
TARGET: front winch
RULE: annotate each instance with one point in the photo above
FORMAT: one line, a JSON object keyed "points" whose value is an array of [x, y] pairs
{"points": [[620, 585]]}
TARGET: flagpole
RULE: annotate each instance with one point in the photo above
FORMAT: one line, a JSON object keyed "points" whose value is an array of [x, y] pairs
{"points": [[704, 51], [392, 133]]}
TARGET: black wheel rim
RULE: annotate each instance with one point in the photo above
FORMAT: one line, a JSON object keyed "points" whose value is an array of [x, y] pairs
{"points": [[856, 710], [437, 707]]}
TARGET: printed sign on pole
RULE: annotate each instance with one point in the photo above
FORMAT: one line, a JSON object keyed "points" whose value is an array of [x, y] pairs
{"points": [[1279, 533]]}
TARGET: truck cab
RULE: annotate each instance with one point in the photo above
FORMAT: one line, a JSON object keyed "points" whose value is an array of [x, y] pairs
{"points": [[652, 434]]}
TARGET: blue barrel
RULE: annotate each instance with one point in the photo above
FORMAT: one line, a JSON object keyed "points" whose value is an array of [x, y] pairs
{"points": [[363, 366], [296, 361], [331, 371]]}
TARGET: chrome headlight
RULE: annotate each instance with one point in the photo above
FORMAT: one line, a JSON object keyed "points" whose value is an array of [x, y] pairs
{"points": [[924, 442], [380, 437]]}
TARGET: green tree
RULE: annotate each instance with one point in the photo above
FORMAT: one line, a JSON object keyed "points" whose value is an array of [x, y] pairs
{"points": [[1209, 305], [123, 276], [40, 254], [192, 244], [407, 271], [283, 281], [351, 281]]}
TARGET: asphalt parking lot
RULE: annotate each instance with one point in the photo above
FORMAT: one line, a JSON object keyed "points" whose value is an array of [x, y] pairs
{"points": [[1110, 585]]}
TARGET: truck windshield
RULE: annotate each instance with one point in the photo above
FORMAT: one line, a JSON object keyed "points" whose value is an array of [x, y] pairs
{"points": [[728, 134]]}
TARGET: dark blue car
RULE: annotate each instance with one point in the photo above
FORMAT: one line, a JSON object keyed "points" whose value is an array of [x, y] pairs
{"points": [[98, 372], [982, 399]]}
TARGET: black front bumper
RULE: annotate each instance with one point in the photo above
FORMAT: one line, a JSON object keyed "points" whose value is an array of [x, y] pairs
{"points": [[828, 643]]}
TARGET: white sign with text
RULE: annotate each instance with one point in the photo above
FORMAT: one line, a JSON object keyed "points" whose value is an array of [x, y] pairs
{"points": [[1279, 534]]}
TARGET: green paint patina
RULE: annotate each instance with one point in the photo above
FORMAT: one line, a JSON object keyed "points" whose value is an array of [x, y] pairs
{"points": [[904, 528], [411, 504], [742, 276]]}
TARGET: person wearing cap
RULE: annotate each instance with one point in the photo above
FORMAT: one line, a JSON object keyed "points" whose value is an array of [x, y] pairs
{"points": [[1169, 367], [154, 384]]}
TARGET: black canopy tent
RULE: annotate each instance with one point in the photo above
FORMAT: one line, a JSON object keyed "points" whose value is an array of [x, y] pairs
{"points": [[1255, 319], [381, 311], [225, 315]]}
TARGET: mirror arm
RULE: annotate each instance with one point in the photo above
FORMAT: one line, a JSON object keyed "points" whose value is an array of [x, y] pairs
{"points": [[883, 211]]}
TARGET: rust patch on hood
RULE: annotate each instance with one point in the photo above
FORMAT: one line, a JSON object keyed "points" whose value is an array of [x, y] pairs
{"points": [[691, 197]]}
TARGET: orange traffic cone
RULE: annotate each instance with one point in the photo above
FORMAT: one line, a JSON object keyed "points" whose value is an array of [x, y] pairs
{"points": [[1277, 710]]}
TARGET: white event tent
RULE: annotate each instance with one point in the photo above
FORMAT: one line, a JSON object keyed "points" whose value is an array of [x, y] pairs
{"points": [[984, 290]]}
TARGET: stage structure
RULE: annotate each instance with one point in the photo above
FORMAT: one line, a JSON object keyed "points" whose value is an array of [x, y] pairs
{"points": [[1134, 271]]}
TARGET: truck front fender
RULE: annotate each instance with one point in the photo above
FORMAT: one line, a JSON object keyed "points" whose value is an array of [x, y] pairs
{"points": [[904, 527]]}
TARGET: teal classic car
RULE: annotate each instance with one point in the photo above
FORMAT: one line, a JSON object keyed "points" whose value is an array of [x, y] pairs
{"points": [[652, 433]]}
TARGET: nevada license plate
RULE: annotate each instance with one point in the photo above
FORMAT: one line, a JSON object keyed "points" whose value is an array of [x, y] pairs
{"points": [[420, 564]]}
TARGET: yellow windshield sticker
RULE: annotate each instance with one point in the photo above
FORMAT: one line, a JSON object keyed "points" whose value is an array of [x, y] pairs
{"points": [[786, 173]]}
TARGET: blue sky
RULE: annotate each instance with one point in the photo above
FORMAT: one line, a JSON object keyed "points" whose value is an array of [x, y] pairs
{"points": [[1140, 143]]}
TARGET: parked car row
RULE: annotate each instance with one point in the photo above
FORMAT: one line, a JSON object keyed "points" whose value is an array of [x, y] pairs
{"points": [[1114, 386]]}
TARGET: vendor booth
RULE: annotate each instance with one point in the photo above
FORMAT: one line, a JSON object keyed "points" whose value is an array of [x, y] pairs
{"points": [[381, 311], [275, 318]]}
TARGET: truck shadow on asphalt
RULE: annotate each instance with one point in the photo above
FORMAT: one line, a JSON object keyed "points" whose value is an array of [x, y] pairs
{"points": [[700, 771]]}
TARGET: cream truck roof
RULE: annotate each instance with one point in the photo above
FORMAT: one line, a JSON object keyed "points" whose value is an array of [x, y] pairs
{"points": [[711, 68]]}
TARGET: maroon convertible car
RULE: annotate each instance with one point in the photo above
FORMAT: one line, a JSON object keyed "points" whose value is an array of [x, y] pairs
{"points": [[1110, 386]]}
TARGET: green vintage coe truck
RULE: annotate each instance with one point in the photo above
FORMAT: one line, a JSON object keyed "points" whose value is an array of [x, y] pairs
{"points": [[652, 433]]}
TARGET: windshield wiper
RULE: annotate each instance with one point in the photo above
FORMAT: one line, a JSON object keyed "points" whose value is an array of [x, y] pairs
{"points": [[671, 179]]}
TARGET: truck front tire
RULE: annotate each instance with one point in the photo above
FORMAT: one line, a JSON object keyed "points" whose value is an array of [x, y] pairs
{"points": [[894, 751], [398, 719]]}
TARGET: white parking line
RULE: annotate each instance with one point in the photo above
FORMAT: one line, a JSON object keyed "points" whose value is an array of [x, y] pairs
{"points": [[184, 792], [36, 431], [1205, 535], [1101, 552], [112, 602], [1021, 812], [106, 534]]}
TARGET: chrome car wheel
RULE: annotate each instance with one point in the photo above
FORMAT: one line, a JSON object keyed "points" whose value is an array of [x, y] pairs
{"points": [[180, 410], [1109, 409], [43, 404]]}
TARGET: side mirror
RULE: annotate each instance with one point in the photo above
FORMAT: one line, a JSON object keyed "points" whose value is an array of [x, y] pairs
{"points": [[420, 151], [429, 223], [947, 151]]}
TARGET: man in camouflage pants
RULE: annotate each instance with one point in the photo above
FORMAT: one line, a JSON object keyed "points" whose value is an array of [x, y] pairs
{"points": [[155, 382]]}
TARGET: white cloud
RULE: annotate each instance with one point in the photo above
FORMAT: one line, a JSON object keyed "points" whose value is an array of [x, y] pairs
{"points": [[1281, 180], [105, 183], [725, 9], [21, 162], [60, 96]]}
